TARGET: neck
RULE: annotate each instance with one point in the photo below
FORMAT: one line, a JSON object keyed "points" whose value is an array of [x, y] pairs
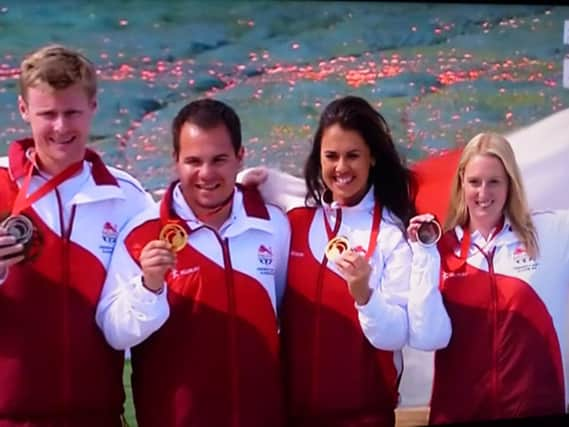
{"points": [[486, 229], [214, 216], [351, 201], [53, 169], [46, 166]]}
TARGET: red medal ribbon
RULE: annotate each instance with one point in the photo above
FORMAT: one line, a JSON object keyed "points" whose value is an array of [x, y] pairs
{"points": [[332, 233], [23, 201], [466, 238], [374, 228]]}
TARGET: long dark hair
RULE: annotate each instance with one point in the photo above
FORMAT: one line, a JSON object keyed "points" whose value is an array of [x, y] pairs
{"points": [[394, 184]]}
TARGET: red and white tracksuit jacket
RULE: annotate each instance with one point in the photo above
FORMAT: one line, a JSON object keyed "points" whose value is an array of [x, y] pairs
{"points": [[209, 348], [508, 354], [55, 367], [342, 361]]}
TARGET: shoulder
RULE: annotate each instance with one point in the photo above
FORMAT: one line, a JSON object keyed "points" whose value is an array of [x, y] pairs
{"points": [[141, 220], [276, 214], [391, 233], [265, 217], [126, 181], [547, 214], [140, 230], [280, 224], [136, 198], [391, 223], [554, 223], [391, 220]]}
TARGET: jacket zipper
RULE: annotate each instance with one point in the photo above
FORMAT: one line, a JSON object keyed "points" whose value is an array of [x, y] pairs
{"points": [[494, 309], [316, 339], [65, 281], [234, 371], [318, 298]]}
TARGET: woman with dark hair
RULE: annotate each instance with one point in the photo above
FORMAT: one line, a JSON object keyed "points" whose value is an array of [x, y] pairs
{"points": [[344, 318]]}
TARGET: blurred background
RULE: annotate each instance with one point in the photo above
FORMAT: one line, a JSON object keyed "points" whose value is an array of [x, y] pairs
{"points": [[439, 73]]}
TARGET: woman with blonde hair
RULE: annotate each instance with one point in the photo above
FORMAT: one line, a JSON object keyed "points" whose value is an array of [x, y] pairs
{"points": [[500, 277]]}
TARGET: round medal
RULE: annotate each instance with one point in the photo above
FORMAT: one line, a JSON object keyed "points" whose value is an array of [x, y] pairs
{"points": [[429, 233], [175, 235], [20, 227], [336, 247]]}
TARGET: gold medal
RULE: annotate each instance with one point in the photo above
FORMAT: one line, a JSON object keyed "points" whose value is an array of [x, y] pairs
{"points": [[336, 247], [175, 235], [20, 227]]}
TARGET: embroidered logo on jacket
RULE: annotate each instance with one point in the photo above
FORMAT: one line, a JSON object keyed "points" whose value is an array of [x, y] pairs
{"points": [[109, 235], [265, 255], [452, 274], [184, 271], [522, 260]]}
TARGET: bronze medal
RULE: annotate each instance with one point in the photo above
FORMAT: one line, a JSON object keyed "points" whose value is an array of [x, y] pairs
{"points": [[336, 247], [175, 235], [429, 233], [20, 227]]}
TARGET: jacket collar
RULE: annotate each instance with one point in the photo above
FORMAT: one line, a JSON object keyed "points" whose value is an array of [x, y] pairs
{"points": [[365, 204], [248, 211], [19, 162], [502, 237]]}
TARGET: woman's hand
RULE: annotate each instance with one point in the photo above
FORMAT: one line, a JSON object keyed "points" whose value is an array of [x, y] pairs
{"points": [[415, 223], [253, 177], [356, 271]]}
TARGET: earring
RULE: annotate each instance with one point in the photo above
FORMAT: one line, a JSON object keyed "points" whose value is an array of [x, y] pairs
{"points": [[327, 196]]}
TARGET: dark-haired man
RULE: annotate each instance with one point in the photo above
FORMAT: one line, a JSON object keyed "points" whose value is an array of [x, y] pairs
{"points": [[211, 261]]}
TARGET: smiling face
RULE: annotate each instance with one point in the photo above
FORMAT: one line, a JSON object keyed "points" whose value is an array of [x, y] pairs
{"points": [[485, 186], [345, 160], [60, 120], [207, 166]]}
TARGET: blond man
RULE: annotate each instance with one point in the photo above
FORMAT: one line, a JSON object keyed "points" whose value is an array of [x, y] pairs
{"points": [[61, 209]]}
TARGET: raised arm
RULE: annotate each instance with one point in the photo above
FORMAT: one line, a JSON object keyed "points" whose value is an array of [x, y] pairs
{"points": [[383, 318], [429, 323], [131, 309], [276, 187]]}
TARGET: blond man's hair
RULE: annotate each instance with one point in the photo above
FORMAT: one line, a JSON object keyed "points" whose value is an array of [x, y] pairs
{"points": [[59, 67], [516, 207]]}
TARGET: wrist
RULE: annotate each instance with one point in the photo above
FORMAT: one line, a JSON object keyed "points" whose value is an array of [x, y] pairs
{"points": [[363, 298], [151, 287]]}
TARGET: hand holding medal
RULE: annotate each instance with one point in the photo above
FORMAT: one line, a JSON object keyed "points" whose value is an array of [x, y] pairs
{"points": [[175, 235], [353, 264], [11, 249], [336, 247], [20, 227], [425, 230], [429, 233]]}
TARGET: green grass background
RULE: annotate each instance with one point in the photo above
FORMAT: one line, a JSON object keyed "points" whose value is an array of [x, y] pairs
{"points": [[129, 407]]}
